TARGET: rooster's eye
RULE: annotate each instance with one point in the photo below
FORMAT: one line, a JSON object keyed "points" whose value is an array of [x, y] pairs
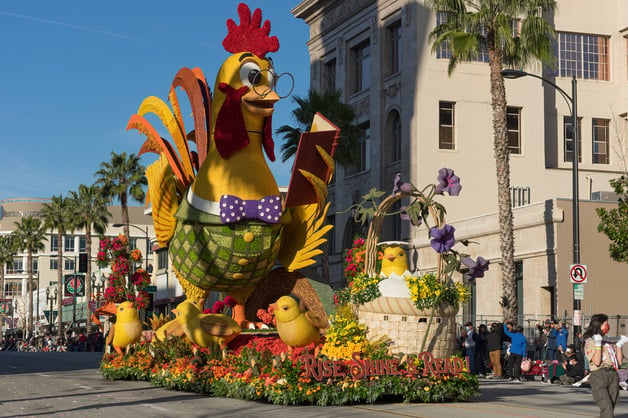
{"points": [[250, 74]]}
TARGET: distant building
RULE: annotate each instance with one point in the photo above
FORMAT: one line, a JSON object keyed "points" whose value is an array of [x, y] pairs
{"points": [[419, 119], [45, 263]]}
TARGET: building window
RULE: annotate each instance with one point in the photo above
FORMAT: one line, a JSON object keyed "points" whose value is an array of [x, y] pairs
{"points": [[396, 138], [361, 59], [35, 265], [444, 50], [82, 246], [446, 125], [54, 243], [16, 267], [68, 244], [329, 76], [519, 196], [68, 264], [600, 140], [162, 259], [568, 135], [394, 48], [583, 55], [132, 243], [513, 124], [53, 264], [363, 149], [12, 288]]}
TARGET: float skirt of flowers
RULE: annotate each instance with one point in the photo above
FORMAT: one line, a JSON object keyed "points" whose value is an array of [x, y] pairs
{"points": [[258, 371]]}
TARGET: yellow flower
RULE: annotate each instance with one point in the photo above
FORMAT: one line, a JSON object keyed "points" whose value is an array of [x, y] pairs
{"points": [[426, 388]]}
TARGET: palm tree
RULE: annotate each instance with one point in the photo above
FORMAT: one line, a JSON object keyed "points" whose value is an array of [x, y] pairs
{"points": [[122, 177], [58, 215], [29, 235], [7, 252], [473, 26], [330, 106], [92, 213]]}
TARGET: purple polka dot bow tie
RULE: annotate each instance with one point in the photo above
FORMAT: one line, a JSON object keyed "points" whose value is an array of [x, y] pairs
{"points": [[233, 209]]}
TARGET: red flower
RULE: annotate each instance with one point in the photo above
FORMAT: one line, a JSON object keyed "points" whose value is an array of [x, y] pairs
{"points": [[230, 301], [218, 306]]}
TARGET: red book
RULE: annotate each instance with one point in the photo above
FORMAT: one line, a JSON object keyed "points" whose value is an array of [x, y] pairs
{"points": [[324, 134]]}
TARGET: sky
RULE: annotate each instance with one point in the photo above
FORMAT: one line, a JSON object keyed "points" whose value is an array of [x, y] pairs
{"points": [[73, 72]]}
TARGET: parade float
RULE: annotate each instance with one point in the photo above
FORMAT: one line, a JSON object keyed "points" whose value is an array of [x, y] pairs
{"points": [[218, 210]]}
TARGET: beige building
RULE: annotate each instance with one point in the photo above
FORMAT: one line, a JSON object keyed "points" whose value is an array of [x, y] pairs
{"points": [[419, 119], [45, 266]]}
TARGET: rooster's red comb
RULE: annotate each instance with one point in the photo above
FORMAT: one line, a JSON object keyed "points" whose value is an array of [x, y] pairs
{"points": [[250, 36]]}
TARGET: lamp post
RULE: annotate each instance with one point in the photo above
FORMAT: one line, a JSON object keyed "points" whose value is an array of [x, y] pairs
{"points": [[572, 103], [51, 297], [98, 285], [145, 231]]}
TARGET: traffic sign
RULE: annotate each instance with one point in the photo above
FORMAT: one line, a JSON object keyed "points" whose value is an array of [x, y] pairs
{"points": [[578, 273], [578, 291], [151, 288]]}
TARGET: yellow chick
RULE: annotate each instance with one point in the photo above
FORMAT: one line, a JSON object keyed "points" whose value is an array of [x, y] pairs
{"points": [[203, 329], [295, 325], [128, 328], [395, 261]]}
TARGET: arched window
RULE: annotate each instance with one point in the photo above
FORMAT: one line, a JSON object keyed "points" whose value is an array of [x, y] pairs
{"points": [[391, 145]]}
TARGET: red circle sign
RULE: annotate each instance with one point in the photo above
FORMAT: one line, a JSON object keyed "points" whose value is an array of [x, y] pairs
{"points": [[578, 273]]}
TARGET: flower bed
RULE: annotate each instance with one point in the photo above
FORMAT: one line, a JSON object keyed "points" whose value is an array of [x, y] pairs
{"points": [[258, 370]]}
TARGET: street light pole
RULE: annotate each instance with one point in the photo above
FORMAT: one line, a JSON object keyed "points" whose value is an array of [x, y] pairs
{"points": [[513, 74]]}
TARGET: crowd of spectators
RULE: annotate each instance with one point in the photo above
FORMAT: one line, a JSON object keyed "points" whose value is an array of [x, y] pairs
{"points": [[75, 341]]}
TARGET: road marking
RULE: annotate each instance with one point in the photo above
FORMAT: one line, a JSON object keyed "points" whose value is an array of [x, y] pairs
{"points": [[11, 367], [156, 407], [85, 387], [43, 375]]}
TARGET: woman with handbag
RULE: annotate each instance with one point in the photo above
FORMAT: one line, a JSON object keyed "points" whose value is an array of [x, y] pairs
{"points": [[604, 360]]}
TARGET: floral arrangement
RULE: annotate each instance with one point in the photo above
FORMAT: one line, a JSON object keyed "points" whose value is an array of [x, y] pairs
{"points": [[222, 307], [363, 288], [353, 262], [259, 371], [122, 286], [426, 291]]}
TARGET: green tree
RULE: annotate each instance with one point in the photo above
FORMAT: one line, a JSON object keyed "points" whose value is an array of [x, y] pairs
{"points": [[58, 215], [614, 222], [473, 26], [7, 252], [122, 177], [340, 114], [91, 208], [30, 236]]}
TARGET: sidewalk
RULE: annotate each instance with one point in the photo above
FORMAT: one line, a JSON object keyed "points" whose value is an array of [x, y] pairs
{"points": [[506, 399]]}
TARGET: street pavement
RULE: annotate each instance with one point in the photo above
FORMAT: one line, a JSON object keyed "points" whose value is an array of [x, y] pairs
{"points": [[70, 385]]}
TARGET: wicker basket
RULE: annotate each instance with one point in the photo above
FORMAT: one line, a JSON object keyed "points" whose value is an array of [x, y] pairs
{"points": [[398, 318]]}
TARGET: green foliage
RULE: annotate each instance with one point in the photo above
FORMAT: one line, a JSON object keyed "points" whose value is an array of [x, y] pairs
{"points": [[614, 222], [364, 288], [329, 105]]}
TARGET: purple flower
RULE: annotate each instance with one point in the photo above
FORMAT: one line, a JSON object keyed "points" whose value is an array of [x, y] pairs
{"points": [[448, 182], [400, 186], [476, 268], [443, 238]]}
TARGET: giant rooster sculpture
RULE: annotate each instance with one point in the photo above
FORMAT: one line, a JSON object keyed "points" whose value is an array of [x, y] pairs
{"points": [[218, 208]]}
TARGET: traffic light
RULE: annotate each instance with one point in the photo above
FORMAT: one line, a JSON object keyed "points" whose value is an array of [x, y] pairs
{"points": [[83, 259]]}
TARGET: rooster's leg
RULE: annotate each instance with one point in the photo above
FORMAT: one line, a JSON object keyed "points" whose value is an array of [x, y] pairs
{"points": [[238, 312]]}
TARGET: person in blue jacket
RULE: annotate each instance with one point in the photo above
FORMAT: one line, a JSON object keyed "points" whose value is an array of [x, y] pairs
{"points": [[561, 342], [518, 349]]}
